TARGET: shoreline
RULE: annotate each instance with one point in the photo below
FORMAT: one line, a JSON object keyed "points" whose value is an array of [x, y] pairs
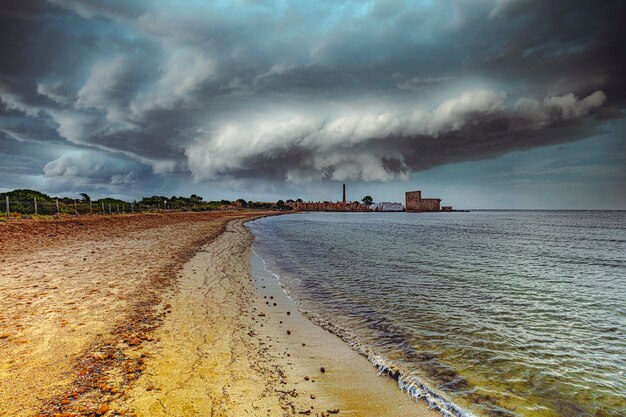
{"points": [[162, 316], [403, 381], [399, 286], [228, 350], [350, 383]]}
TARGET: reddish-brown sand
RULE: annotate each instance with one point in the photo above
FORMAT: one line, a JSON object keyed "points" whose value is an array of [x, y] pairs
{"points": [[77, 293]]}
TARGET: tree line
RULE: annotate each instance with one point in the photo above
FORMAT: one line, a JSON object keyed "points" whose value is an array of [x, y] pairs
{"points": [[25, 201]]}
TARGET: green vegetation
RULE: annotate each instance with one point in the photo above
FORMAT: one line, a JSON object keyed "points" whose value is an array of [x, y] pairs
{"points": [[26, 195], [23, 202], [30, 202], [191, 203], [260, 205], [367, 200]]}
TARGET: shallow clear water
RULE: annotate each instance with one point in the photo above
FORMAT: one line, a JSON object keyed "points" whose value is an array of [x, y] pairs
{"points": [[517, 313]]}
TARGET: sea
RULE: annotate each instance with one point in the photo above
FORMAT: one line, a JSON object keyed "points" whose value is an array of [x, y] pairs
{"points": [[481, 313]]}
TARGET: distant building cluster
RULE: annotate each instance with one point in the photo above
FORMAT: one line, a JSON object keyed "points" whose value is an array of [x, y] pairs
{"points": [[328, 206], [414, 203]]}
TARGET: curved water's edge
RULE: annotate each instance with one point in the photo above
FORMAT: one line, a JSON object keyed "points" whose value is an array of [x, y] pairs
{"points": [[408, 382], [504, 313]]}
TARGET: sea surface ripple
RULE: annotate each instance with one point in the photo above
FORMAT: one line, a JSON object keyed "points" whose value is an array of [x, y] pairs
{"points": [[505, 313]]}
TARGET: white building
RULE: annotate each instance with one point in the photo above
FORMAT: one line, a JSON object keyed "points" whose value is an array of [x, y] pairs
{"points": [[387, 206]]}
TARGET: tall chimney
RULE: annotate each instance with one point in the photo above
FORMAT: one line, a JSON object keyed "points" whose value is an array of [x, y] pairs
{"points": [[344, 194]]}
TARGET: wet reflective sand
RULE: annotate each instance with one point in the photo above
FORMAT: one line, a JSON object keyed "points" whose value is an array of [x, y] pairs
{"points": [[227, 350]]}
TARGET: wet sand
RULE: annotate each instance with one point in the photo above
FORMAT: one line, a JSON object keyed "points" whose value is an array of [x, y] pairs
{"points": [[223, 351], [166, 320], [349, 382]]}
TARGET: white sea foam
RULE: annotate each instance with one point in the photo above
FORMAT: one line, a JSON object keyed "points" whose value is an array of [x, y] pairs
{"points": [[407, 382], [503, 312], [275, 275]]}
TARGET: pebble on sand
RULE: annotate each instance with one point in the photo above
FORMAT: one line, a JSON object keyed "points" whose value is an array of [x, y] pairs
{"points": [[103, 409]]}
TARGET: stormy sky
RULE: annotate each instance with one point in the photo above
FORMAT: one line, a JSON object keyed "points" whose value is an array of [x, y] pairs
{"points": [[484, 103]]}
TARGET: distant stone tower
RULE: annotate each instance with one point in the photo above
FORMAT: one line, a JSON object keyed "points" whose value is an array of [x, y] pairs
{"points": [[344, 194], [415, 202]]}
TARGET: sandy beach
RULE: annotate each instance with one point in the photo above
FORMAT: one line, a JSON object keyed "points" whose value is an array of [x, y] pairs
{"points": [[159, 315]]}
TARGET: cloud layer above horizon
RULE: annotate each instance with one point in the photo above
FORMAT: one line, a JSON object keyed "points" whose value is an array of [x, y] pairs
{"points": [[122, 92]]}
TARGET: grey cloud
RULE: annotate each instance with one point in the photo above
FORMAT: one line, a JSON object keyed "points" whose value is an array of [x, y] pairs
{"points": [[344, 143], [306, 92], [568, 106], [417, 83], [57, 91], [81, 169], [109, 8]]}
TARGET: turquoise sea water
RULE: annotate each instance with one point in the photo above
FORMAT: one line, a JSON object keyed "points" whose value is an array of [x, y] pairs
{"points": [[503, 313]]}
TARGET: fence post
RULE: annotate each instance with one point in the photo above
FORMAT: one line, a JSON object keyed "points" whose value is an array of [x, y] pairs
{"points": [[75, 208], [110, 208], [7, 207], [103, 212], [118, 208], [58, 213], [132, 207], [35, 198], [90, 208]]}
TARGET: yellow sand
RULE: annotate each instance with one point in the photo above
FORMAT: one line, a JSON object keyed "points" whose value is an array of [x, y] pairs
{"points": [[222, 352], [62, 294]]}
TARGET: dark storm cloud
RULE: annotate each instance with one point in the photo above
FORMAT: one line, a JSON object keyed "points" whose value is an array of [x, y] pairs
{"points": [[302, 92]]}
